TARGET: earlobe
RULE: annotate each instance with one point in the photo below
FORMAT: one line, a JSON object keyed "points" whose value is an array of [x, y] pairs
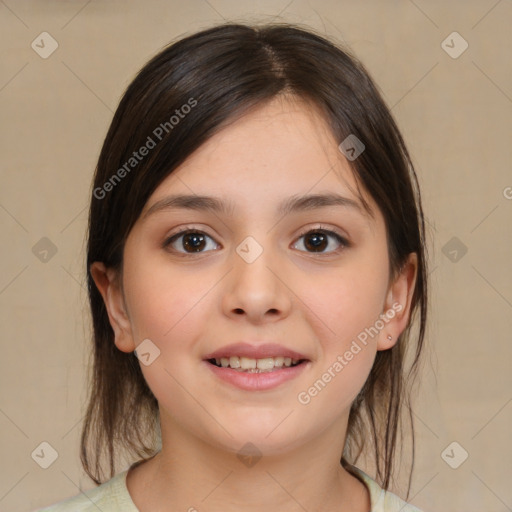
{"points": [[108, 283], [397, 308]]}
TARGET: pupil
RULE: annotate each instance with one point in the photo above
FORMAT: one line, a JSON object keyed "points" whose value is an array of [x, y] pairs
{"points": [[317, 242], [193, 241]]}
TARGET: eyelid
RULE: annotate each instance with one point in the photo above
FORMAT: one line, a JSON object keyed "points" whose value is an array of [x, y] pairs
{"points": [[187, 228], [342, 239], [182, 231], [322, 227]]}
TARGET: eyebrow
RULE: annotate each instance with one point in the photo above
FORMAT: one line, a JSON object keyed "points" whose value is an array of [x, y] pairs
{"points": [[217, 205]]}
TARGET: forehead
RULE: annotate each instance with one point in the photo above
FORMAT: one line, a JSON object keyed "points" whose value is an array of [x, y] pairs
{"points": [[282, 148]]}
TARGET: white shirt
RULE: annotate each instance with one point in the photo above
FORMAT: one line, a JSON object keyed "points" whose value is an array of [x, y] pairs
{"points": [[113, 496]]}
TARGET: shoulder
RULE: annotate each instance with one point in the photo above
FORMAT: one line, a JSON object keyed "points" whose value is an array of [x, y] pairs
{"points": [[112, 496], [381, 500]]}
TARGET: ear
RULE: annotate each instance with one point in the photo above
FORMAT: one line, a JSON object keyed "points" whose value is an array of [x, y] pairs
{"points": [[397, 307], [108, 283]]}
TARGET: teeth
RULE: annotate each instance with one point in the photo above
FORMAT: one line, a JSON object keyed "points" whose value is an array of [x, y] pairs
{"points": [[265, 364], [247, 363], [278, 361]]}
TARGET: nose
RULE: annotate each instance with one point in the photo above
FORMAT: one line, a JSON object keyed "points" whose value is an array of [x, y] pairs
{"points": [[257, 289]]}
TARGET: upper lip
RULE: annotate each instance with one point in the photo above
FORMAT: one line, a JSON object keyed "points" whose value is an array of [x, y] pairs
{"points": [[259, 351]]}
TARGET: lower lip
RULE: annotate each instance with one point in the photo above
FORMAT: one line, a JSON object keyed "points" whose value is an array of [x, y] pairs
{"points": [[257, 381]]}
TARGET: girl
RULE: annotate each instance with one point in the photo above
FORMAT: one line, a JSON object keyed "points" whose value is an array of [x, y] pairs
{"points": [[255, 261]]}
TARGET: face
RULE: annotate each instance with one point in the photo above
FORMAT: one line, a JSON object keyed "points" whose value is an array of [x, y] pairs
{"points": [[309, 282]]}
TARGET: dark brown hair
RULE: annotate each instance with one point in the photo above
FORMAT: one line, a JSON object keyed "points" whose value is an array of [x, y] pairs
{"points": [[221, 73]]}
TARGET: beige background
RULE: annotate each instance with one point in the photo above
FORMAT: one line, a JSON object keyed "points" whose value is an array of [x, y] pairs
{"points": [[455, 115]]}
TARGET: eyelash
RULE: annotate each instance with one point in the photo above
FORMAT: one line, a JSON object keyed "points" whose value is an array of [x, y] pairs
{"points": [[344, 243]]}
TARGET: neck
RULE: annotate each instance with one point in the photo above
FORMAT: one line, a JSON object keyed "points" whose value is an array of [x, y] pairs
{"points": [[190, 474]]}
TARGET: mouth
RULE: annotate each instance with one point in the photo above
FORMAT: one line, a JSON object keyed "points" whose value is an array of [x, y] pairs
{"points": [[256, 367], [250, 365]]}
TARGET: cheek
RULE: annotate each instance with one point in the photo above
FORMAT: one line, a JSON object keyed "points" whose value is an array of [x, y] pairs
{"points": [[168, 309], [345, 304], [342, 312], [164, 305], [337, 383]]}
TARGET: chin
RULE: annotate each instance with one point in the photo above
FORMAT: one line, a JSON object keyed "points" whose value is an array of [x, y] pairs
{"points": [[261, 438]]}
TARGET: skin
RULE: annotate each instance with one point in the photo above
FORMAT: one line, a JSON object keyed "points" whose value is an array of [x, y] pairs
{"points": [[190, 304]]}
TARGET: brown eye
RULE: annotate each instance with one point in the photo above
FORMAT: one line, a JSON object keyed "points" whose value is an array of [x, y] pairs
{"points": [[189, 241], [316, 242], [319, 240]]}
